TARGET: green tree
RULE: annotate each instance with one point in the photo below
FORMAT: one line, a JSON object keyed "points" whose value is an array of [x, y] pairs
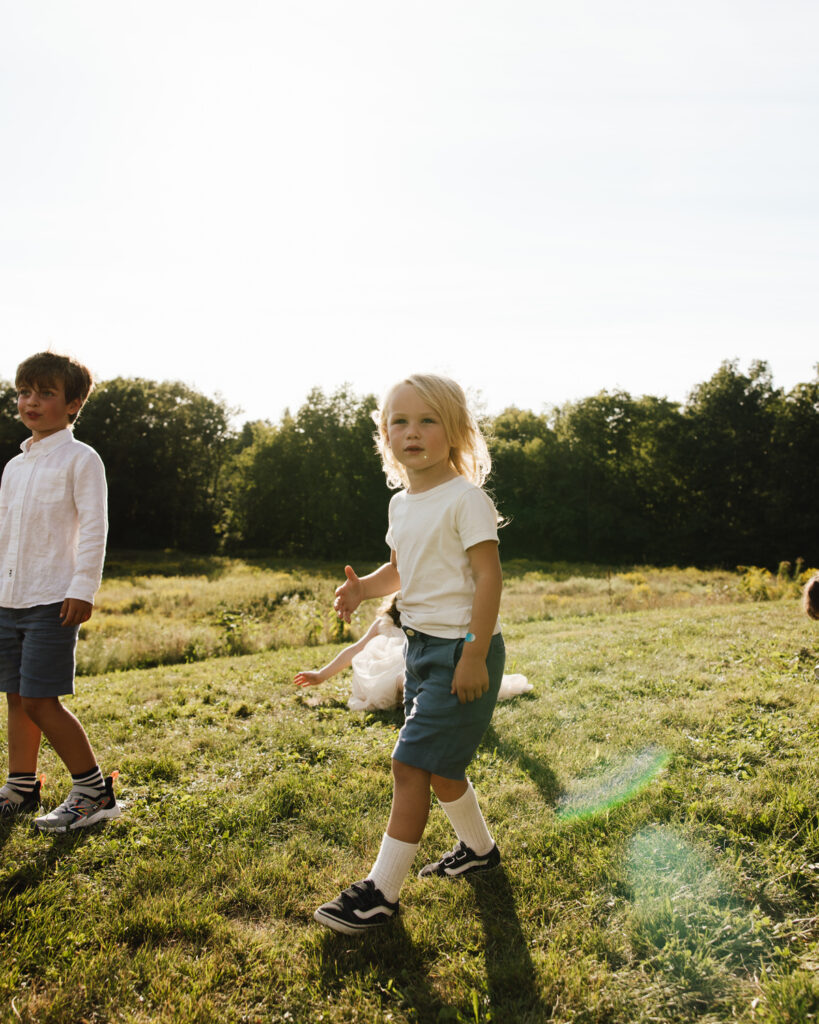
{"points": [[164, 446], [726, 463], [616, 484], [312, 485], [12, 431]]}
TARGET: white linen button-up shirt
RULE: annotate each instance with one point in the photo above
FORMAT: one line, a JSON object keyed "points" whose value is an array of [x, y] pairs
{"points": [[53, 523]]}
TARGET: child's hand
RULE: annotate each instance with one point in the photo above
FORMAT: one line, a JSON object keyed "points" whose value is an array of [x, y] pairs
{"points": [[307, 678], [74, 611], [470, 680], [349, 595]]}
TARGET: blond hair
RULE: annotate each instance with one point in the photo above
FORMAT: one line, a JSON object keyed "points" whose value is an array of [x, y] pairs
{"points": [[468, 453]]}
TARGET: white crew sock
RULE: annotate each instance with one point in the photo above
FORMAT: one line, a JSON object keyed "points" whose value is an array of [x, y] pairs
{"points": [[392, 866], [467, 820]]}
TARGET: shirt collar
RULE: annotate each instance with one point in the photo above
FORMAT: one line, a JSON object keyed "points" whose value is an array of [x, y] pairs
{"points": [[48, 444]]}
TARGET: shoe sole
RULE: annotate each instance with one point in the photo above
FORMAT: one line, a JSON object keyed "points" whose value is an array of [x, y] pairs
{"points": [[17, 812], [344, 927], [105, 814], [467, 869]]}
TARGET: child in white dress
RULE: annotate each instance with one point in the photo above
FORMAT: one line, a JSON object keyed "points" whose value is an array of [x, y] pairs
{"points": [[377, 660]]}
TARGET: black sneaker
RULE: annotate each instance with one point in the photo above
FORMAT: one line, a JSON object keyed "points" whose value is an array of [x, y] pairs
{"points": [[357, 909], [12, 802], [461, 861]]}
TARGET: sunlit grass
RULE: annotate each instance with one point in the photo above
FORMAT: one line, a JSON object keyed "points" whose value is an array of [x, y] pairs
{"points": [[655, 799], [199, 608]]}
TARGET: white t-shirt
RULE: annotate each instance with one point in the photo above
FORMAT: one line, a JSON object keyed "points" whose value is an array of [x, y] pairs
{"points": [[430, 533]]}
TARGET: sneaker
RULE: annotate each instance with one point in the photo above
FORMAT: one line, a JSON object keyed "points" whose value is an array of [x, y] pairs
{"points": [[461, 861], [357, 909], [12, 802], [80, 810]]}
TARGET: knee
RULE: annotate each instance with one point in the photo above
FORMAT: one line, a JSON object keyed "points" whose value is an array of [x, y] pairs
{"points": [[38, 708], [448, 790], [407, 774]]}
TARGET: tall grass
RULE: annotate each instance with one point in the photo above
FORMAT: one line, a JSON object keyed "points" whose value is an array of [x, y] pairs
{"points": [[191, 609]]}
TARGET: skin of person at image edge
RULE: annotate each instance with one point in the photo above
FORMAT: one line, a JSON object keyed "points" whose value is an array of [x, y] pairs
{"points": [[428, 439], [810, 597], [51, 390]]}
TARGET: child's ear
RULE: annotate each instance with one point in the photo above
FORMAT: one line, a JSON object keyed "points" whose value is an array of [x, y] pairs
{"points": [[74, 406]]}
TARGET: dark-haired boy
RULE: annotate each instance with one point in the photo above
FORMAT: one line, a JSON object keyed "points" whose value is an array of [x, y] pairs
{"points": [[53, 525]]}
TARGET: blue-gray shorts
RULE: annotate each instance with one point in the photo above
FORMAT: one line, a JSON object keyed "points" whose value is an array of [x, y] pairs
{"points": [[37, 654], [439, 733]]}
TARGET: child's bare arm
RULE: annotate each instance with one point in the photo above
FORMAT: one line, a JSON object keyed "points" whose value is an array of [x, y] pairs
{"points": [[356, 589], [341, 661], [471, 679]]}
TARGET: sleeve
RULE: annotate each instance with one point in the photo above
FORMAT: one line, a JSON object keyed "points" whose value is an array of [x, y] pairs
{"points": [[390, 538], [477, 518], [91, 501]]}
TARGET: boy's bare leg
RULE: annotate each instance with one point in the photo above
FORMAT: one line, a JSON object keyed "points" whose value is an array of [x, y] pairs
{"points": [[410, 802], [63, 731], [23, 736]]}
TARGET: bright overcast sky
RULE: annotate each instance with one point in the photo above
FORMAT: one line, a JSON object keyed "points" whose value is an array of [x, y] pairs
{"points": [[543, 198]]}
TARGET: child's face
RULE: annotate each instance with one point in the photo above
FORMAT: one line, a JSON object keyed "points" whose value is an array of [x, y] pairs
{"points": [[418, 439], [43, 408]]}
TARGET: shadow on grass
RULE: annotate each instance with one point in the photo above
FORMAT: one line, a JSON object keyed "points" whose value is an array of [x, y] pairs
{"points": [[538, 771], [389, 966], [392, 968], [34, 871], [510, 973]]}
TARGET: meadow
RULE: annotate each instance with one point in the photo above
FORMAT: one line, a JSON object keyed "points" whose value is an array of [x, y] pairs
{"points": [[655, 799]]}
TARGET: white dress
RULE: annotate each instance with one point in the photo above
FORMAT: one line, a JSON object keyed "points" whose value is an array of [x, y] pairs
{"points": [[378, 672]]}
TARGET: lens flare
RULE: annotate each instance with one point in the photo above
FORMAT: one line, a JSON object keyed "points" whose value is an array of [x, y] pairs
{"points": [[613, 786]]}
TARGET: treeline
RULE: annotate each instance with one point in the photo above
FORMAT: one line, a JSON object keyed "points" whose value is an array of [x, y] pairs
{"points": [[727, 478]]}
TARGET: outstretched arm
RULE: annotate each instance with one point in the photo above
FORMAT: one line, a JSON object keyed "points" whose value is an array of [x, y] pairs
{"points": [[355, 589], [339, 663]]}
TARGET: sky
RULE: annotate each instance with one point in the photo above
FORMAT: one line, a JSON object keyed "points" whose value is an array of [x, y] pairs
{"points": [[540, 198]]}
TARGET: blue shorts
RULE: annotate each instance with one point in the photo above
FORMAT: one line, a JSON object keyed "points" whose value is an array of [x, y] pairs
{"points": [[439, 733], [37, 654]]}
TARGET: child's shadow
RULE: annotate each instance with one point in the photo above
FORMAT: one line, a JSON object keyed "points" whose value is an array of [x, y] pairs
{"points": [[538, 771], [510, 973], [32, 873], [400, 969], [390, 961]]}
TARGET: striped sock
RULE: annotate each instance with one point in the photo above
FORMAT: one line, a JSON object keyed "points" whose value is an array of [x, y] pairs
{"points": [[90, 783], [22, 782]]}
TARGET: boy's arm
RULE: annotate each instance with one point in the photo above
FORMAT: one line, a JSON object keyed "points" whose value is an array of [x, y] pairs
{"points": [[355, 589], [91, 502], [471, 679]]}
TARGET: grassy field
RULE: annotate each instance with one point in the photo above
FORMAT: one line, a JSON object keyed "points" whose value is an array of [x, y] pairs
{"points": [[655, 799]]}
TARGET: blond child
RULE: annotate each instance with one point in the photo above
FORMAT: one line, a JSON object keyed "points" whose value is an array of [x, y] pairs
{"points": [[443, 540]]}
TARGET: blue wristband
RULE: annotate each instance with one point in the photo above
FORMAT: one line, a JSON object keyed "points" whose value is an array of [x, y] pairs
{"points": [[469, 638]]}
